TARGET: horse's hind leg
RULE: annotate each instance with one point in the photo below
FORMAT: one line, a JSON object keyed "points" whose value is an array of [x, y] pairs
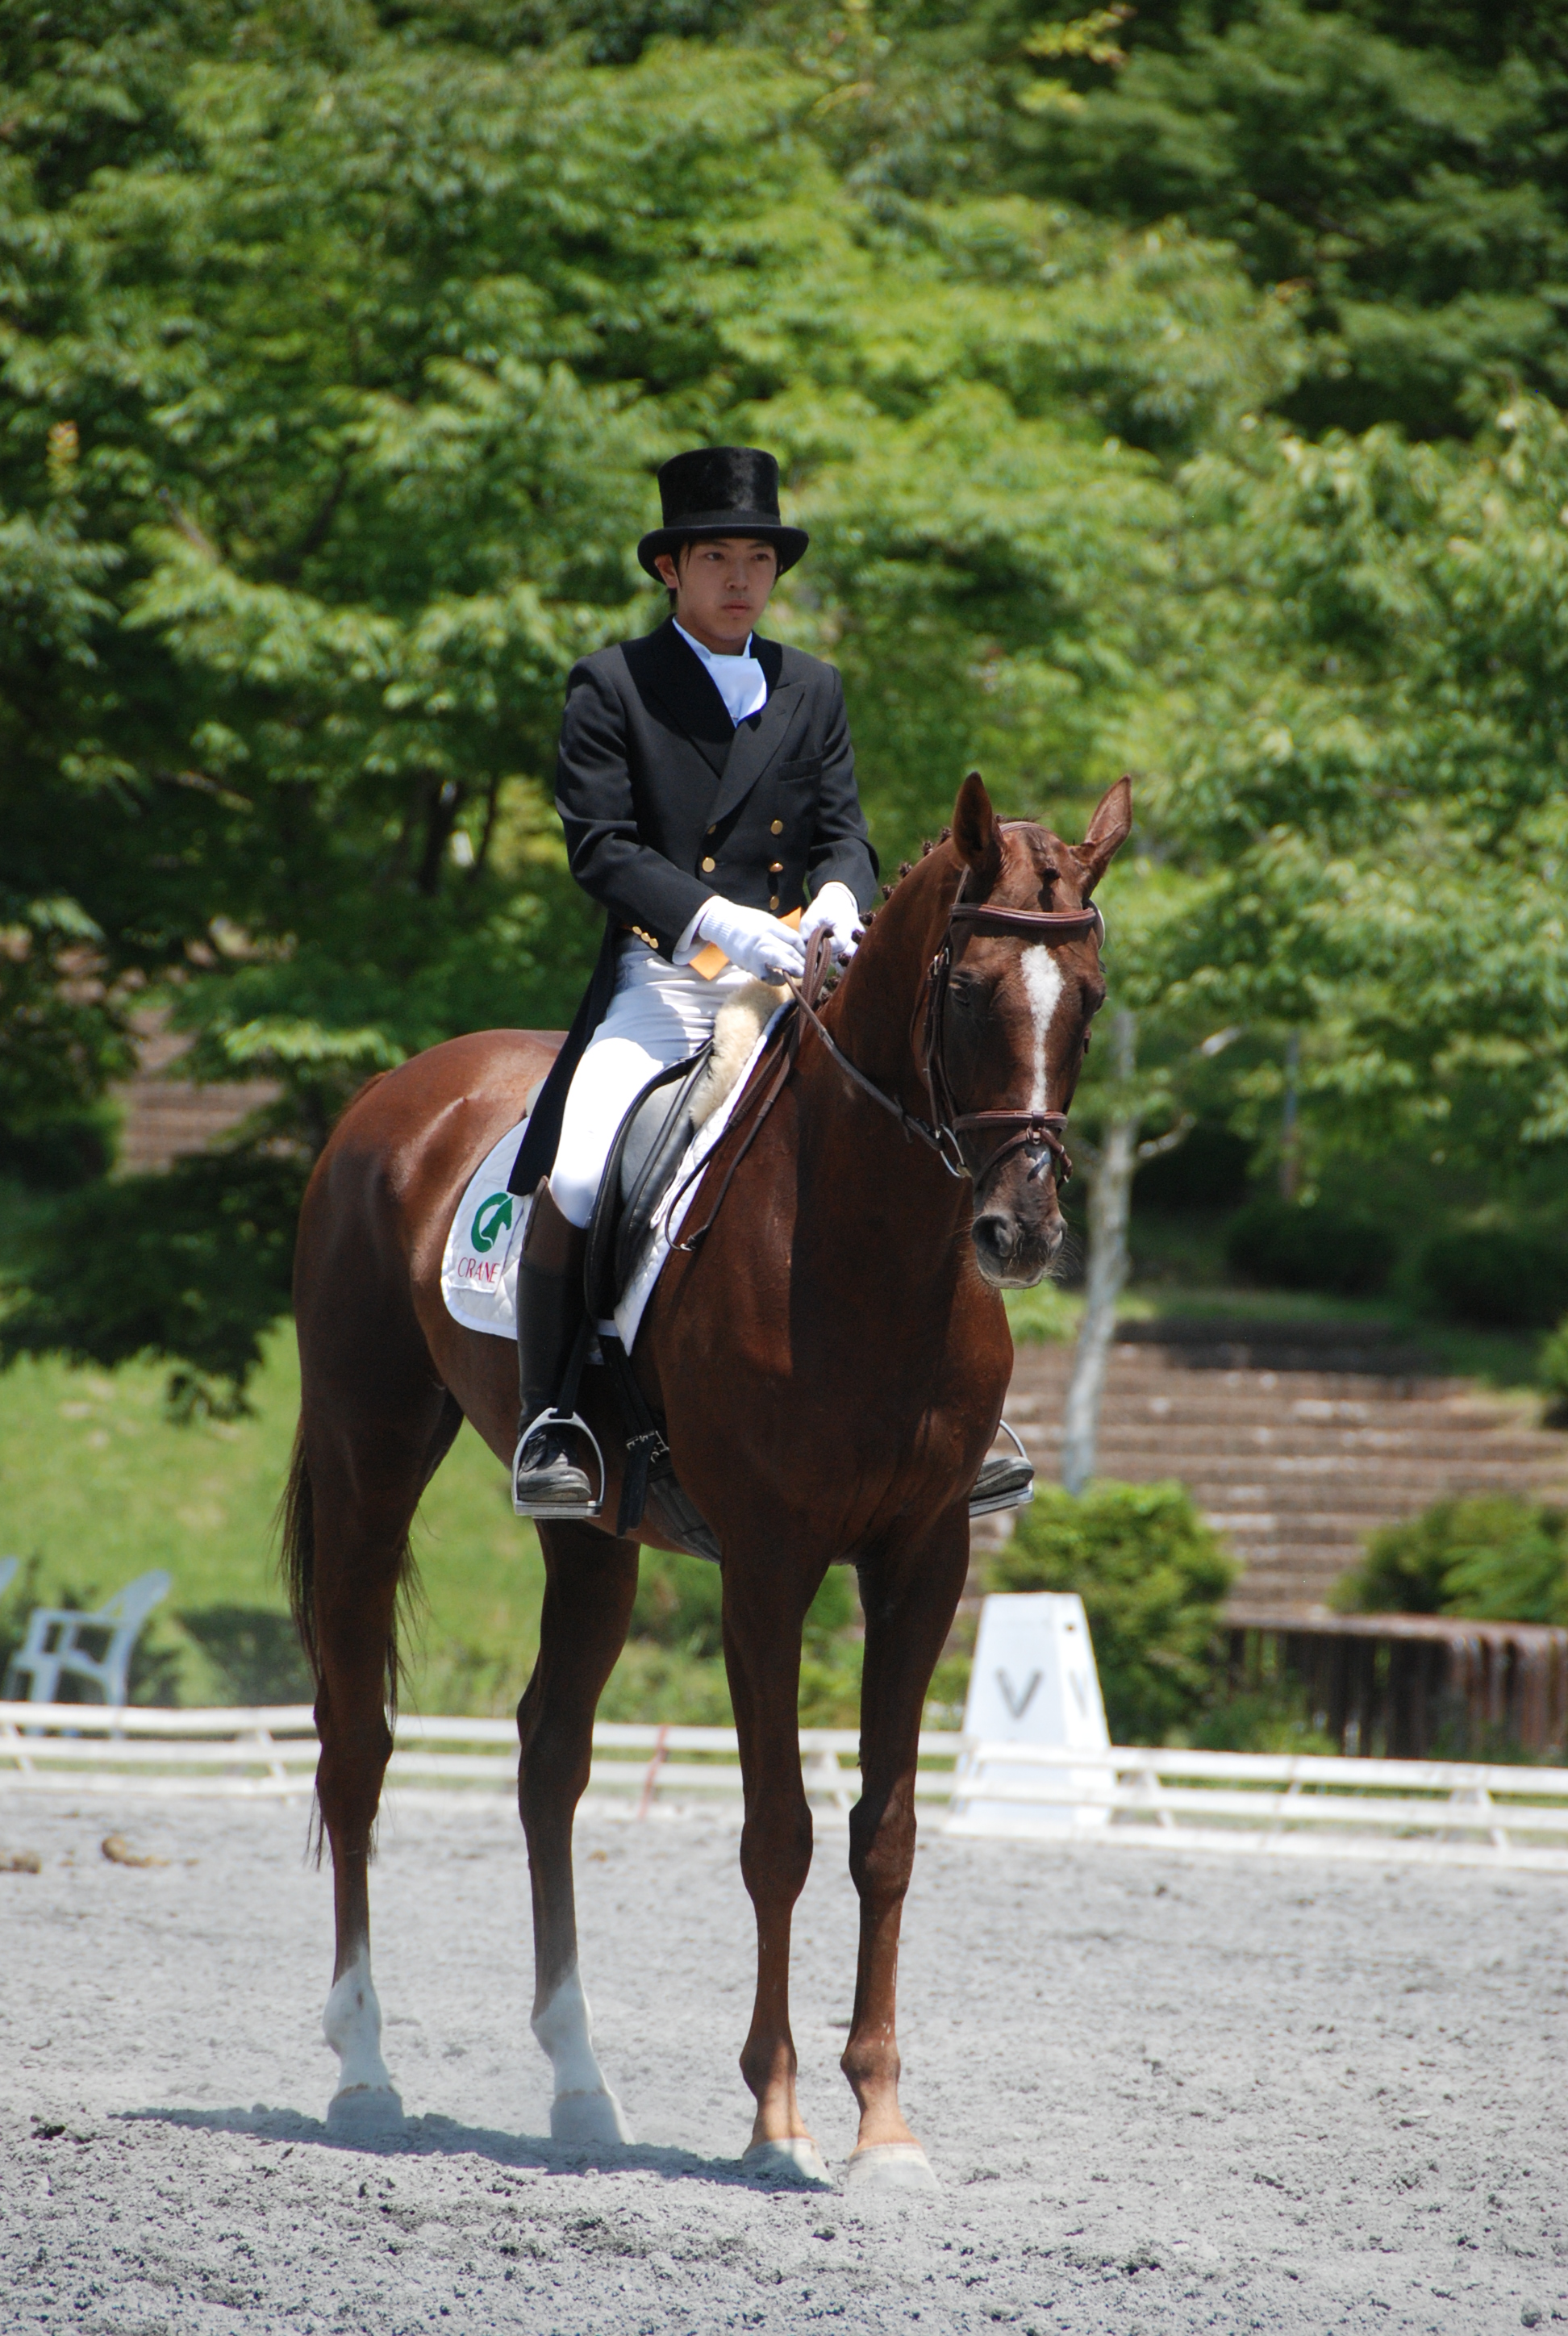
{"points": [[364, 1476], [590, 1581]]}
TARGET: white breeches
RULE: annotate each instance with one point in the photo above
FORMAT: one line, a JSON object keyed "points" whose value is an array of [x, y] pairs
{"points": [[660, 1013]]}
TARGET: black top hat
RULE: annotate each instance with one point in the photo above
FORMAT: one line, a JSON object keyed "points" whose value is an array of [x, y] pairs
{"points": [[721, 491]]}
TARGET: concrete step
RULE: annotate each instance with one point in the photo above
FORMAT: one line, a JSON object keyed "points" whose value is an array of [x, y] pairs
{"points": [[1167, 1450], [1294, 1466], [1370, 1500], [1218, 1393], [1313, 1415], [1243, 1406]]}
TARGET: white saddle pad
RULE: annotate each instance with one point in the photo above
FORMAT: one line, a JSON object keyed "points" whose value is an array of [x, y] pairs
{"points": [[484, 1244]]}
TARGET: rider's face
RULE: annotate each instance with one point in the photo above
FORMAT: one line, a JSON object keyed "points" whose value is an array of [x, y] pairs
{"points": [[721, 585]]}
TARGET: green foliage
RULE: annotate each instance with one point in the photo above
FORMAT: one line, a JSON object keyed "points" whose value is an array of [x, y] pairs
{"points": [[1287, 1246], [336, 356], [255, 1653], [1491, 1557], [678, 1611], [1272, 1718], [339, 345], [1209, 1169], [1043, 1316], [191, 1265], [679, 1603], [1496, 1278], [1152, 1576], [1388, 172], [89, 1461]]}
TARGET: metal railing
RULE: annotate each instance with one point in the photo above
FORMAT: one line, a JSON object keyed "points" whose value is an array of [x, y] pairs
{"points": [[1257, 1803]]}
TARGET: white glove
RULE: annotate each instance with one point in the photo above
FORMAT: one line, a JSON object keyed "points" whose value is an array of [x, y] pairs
{"points": [[753, 941], [835, 906]]}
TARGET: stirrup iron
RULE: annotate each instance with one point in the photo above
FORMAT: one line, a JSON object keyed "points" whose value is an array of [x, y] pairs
{"points": [[1003, 1483], [560, 1512]]}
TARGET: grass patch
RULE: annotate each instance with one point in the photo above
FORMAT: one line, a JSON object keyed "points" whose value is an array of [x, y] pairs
{"points": [[1047, 1314], [97, 1485]]}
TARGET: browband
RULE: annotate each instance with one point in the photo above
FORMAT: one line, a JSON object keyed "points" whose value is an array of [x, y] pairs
{"points": [[1047, 925]]}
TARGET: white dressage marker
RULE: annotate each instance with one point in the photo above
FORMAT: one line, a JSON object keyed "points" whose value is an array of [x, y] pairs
{"points": [[1033, 1682]]}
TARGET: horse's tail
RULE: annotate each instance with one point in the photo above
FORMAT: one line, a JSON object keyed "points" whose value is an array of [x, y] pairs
{"points": [[297, 1559], [297, 1513]]}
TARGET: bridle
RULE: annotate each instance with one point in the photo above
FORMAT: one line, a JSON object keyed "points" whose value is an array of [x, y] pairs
{"points": [[1040, 1132], [1037, 1131]]}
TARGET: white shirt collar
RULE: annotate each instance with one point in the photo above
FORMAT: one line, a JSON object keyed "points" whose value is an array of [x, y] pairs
{"points": [[739, 680]]}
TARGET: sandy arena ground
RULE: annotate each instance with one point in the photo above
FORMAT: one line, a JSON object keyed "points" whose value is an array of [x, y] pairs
{"points": [[1162, 2092]]}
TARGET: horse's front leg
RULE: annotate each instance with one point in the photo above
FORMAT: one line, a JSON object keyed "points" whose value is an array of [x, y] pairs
{"points": [[354, 1493], [590, 1581], [765, 1607], [910, 1598]]}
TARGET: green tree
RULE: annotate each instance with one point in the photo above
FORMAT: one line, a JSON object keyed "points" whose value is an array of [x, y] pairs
{"points": [[338, 344], [336, 359]]}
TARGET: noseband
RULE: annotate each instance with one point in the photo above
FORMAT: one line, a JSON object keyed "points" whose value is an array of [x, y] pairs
{"points": [[1040, 1132]]}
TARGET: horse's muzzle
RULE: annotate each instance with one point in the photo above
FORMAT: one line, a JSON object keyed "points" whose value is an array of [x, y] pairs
{"points": [[1012, 1253]]}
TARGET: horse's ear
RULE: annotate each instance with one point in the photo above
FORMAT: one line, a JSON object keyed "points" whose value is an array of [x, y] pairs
{"points": [[976, 834], [1108, 831]]}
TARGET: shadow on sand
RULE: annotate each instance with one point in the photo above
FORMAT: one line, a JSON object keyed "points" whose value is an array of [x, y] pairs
{"points": [[443, 2136]]}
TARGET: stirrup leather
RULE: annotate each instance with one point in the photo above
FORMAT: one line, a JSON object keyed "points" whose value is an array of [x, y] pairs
{"points": [[561, 1511]]}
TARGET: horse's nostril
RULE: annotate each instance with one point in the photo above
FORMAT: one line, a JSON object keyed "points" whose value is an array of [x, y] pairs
{"points": [[995, 1237]]}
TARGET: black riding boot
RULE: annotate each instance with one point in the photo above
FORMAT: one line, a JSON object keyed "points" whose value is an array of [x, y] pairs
{"points": [[547, 1481]]}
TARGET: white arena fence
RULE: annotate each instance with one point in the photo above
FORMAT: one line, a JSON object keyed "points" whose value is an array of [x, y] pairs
{"points": [[1256, 1804]]}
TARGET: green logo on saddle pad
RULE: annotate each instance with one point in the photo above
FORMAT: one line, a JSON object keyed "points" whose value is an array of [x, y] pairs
{"points": [[489, 1219]]}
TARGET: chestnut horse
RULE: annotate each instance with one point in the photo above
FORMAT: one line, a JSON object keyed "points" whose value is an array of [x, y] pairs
{"points": [[831, 1360]]}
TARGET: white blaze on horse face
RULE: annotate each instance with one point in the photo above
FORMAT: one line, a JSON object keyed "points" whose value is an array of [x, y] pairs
{"points": [[1043, 982], [584, 2107], [351, 2024]]}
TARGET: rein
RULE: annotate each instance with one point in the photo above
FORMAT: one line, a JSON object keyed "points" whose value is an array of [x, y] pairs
{"points": [[942, 1133]]}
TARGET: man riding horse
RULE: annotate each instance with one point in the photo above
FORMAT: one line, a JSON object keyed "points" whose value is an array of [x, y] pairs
{"points": [[706, 781]]}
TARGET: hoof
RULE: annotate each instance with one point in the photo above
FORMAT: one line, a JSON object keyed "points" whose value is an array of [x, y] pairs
{"points": [[364, 2109], [588, 2117], [797, 2162], [891, 2166]]}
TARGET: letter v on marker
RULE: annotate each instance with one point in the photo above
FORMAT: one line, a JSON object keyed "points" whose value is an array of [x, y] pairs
{"points": [[1017, 1705]]}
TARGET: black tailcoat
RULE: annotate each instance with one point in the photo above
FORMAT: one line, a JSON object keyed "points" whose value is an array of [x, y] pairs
{"points": [[666, 802]]}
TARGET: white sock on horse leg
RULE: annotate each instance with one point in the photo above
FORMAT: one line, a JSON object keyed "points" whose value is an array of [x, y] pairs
{"points": [[584, 2107], [351, 2024]]}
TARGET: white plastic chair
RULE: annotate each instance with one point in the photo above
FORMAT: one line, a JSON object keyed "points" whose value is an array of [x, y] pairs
{"points": [[8, 1566], [52, 1648]]}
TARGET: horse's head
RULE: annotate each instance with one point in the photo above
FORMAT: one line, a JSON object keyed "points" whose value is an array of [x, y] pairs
{"points": [[1014, 1027]]}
